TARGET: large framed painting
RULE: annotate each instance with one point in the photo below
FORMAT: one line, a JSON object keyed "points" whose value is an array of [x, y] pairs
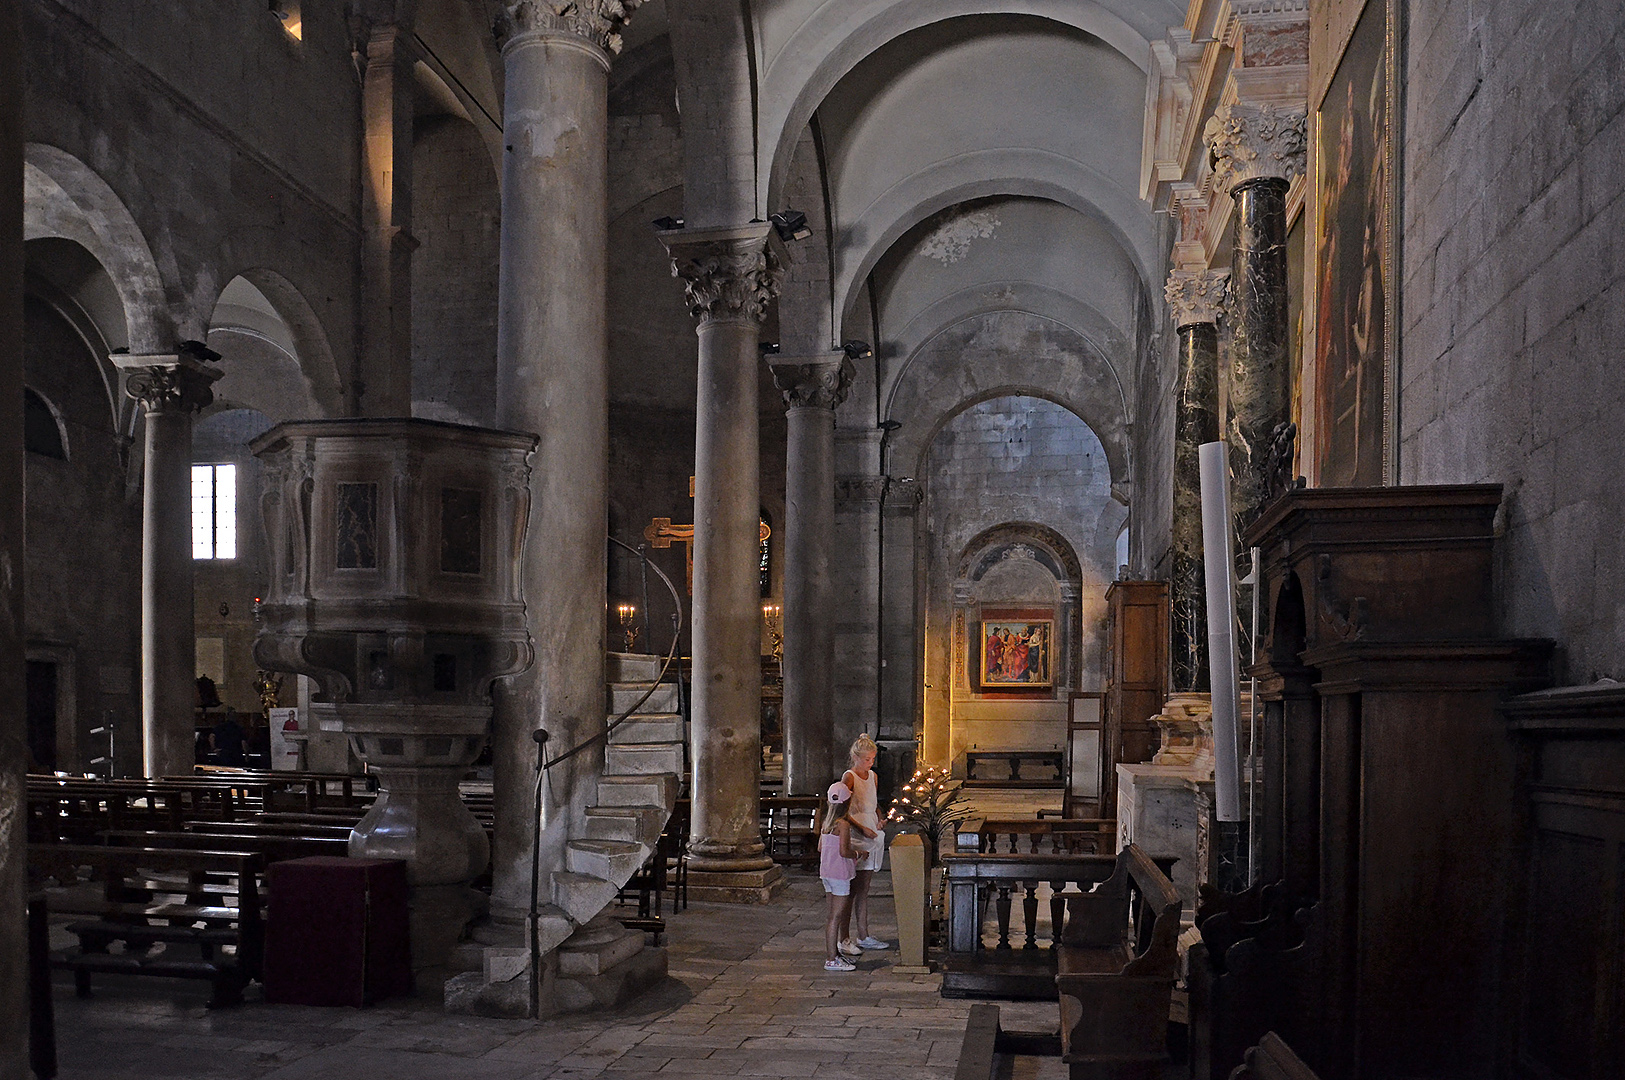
{"points": [[1356, 159], [1017, 654]]}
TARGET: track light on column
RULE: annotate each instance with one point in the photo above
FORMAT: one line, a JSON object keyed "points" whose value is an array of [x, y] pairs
{"points": [[857, 350], [790, 225]]}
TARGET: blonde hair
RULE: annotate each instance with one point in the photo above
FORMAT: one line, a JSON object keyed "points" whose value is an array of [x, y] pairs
{"points": [[862, 745], [833, 812]]}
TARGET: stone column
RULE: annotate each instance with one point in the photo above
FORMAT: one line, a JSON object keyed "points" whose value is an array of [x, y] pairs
{"points": [[730, 278], [171, 389], [13, 719], [553, 379], [1194, 297], [812, 390], [1257, 150], [383, 386]]}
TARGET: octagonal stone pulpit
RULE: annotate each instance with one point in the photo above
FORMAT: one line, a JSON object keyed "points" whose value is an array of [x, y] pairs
{"points": [[394, 549]]}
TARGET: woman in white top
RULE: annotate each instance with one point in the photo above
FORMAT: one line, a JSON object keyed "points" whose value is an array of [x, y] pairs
{"points": [[869, 842]]}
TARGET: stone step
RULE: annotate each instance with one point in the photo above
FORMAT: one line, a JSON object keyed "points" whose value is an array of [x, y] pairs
{"points": [[613, 860], [631, 667], [642, 824], [659, 789], [581, 896], [623, 696], [653, 728], [641, 759]]}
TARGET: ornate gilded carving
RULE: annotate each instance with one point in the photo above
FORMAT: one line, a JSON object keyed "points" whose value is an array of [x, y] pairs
{"points": [[1254, 142], [1196, 296], [815, 385], [598, 21], [727, 277]]}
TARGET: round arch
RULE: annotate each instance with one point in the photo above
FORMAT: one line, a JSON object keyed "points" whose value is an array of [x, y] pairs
{"points": [[295, 332], [822, 50], [945, 377], [64, 198]]}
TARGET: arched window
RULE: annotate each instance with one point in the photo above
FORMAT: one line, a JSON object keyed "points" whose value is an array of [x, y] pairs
{"points": [[42, 434]]}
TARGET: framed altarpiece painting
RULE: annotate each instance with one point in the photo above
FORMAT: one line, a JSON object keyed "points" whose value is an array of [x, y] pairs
{"points": [[1356, 297]]}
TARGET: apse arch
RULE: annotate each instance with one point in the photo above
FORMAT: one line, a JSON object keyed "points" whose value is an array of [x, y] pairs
{"points": [[64, 198], [276, 354], [837, 37], [1018, 172], [956, 371]]}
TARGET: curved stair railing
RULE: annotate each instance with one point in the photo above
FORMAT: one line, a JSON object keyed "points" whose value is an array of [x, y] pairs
{"points": [[637, 793]]}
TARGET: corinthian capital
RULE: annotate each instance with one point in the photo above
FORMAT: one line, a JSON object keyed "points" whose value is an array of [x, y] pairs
{"points": [[727, 273], [598, 21], [1196, 296], [1255, 142], [171, 382], [819, 384]]}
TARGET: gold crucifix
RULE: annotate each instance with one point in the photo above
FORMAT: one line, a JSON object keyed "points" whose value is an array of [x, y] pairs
{"points": [[661, 533]]}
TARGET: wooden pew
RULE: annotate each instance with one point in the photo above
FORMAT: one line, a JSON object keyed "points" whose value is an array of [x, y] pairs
{"points": [[271, 847], [1272, 1059], [1115, 972], [168, 896], [790, 828]]}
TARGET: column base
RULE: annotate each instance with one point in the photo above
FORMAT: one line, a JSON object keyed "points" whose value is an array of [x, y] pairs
{"points": [[736, 886]]}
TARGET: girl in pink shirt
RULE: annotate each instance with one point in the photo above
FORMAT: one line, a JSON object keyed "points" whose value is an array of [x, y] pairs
{"points": [[836, 865]]}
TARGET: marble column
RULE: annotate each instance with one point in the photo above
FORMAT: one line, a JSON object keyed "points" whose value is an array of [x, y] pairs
{"points": [[13, 721], [553, 379], [730, 277], [1257, 150], [812, 391], [171, 389], [1194, 297]]}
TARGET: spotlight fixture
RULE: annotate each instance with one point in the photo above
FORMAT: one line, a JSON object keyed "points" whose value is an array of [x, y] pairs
{"points": [[889, 426], [768, 348], [790, 225], [857, 350], [667, 224]]}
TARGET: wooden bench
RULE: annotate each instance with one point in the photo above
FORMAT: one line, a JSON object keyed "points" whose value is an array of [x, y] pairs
{"points": [[272, 847], [1272, 1059], [168, 896], [1052, 759], [1115, 972], [790, 828]]}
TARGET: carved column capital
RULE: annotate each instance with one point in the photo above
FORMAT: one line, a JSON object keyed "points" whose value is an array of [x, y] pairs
{"points": [[816, 384], [728, 274], [598, 22], [1255, 142], [859, 488], [1196, 296], [171, 382]]}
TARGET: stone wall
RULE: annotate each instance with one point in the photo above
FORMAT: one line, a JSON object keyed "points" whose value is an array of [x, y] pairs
{"points": [[1513, 291], [456, 213], [82, 576], [1013, 459]]}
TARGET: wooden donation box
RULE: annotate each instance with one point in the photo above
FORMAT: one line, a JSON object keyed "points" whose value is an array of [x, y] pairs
{"points": [[336, 932], [1390, 801]]}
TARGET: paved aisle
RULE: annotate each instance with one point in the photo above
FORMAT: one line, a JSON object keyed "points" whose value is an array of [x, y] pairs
{"points": [[748, 997]]}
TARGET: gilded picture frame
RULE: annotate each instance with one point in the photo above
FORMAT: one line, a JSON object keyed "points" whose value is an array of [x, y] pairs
{"points": [[1357, 303], [1016, 654]]}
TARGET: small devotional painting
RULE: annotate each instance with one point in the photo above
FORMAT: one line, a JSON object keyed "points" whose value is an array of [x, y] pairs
{"points": [[1016, 654]]}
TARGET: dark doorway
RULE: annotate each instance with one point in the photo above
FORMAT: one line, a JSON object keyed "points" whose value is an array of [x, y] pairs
{"points": [[42, 715]]}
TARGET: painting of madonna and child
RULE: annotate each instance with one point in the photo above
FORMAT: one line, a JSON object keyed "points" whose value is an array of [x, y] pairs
{"points": [[1016, 653]]}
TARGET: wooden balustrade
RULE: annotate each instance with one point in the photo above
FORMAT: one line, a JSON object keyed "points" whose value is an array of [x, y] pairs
{"points": [[1044, 836]]}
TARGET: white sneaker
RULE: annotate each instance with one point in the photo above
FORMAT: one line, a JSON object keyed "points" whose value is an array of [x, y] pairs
{"points": [[872, 943], [839, 964], [849, 948]]}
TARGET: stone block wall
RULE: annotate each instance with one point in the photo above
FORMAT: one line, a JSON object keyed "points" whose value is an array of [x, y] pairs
{"points": [[1513, 290]]}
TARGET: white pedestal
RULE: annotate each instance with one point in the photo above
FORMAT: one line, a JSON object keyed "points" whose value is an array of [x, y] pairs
{"points": [[1157, 809]]}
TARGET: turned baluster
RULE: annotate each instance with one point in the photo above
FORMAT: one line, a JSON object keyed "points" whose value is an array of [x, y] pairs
{"points": [[1004, 918], [1029, 913], [1057, 911]]}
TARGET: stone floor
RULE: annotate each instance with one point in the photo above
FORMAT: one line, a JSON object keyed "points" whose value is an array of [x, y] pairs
{"points": [[747, 996]]}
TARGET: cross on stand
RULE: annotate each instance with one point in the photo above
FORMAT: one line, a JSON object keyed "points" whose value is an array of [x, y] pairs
{"points": [[661, 533]]}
